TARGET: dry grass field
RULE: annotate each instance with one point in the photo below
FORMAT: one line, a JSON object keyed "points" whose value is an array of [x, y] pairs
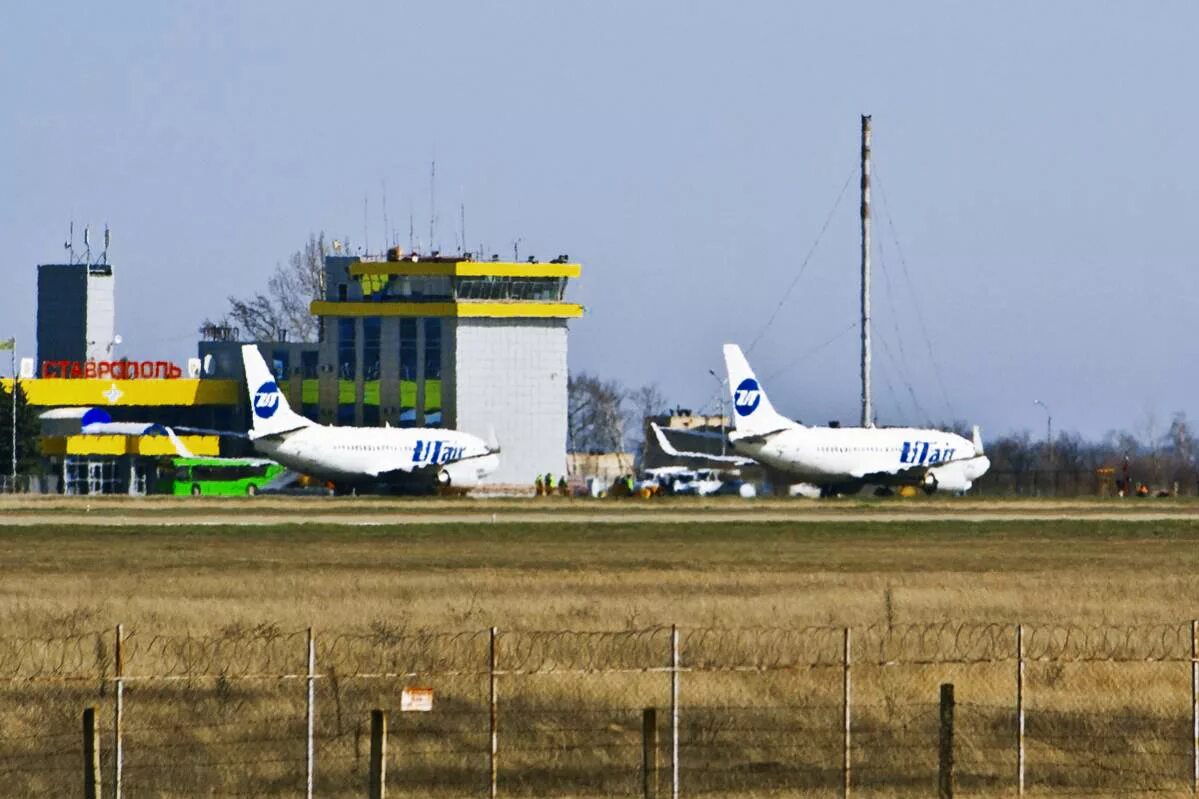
{"points": [[220, 608]]}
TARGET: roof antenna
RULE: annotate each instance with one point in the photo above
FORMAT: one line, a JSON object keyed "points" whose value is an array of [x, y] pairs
{"points": [[366, 226], [386, 229], [87, 245], [69, 244], [107, 241], [462, 223], [432, 203], [411, 230]]}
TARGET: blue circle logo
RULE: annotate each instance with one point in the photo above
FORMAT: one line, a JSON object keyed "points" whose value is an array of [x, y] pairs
{"points": [[747, 397], [266, 400]]}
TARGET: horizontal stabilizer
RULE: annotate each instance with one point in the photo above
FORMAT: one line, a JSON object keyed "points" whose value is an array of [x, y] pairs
{"points": [[670, 450]]}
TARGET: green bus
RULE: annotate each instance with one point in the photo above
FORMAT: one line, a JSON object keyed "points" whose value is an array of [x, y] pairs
{"points": [[217, 477]]}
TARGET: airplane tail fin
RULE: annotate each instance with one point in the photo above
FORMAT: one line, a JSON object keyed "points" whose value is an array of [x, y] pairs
{"points": [[978, 441], [752, 412], [270, 414]]}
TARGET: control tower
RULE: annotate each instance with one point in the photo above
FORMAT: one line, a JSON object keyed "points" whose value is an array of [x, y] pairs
{"points": [[429, 340], [75, 313]]}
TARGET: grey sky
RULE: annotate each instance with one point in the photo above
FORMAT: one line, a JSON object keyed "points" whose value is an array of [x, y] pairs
{"points": [[1037, 161]]}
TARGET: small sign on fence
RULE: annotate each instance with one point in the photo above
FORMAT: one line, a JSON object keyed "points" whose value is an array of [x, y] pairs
{"points": [[416, 700]]}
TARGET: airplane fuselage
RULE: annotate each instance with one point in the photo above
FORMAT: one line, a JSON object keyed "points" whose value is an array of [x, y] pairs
{"points": [[366, 454], [829, 455]]}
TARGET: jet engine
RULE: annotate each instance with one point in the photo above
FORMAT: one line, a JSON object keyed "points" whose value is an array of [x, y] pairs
{"points": [[952, 477], [467, 473]]}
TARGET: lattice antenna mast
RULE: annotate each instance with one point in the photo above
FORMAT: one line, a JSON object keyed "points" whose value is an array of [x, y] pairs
{"points": [[867, 404]]}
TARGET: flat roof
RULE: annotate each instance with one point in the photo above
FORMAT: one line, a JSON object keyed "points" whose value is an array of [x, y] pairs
{"points": [[463, 309], [185, 392], [445, 268]]}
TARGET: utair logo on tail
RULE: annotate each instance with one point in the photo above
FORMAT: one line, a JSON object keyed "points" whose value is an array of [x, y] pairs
{"points": [[266, 400], [747, 397]]}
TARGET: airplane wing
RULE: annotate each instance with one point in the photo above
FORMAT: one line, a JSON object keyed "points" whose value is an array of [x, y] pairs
{"points": [[669, 449], [204, 431], [137, 429]]}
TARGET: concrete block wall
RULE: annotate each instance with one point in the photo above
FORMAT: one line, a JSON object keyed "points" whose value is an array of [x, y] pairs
{"points": [[101, 317], [511, 374]]}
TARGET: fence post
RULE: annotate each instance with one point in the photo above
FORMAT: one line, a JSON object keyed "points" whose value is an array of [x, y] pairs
{"points": [[118, 712], [1195, 707], [674, 712], [378, 765], [1019, 709], [492, 760], [945, 769], [91, 755], [310, 766], [649, 753], [846, 715]]}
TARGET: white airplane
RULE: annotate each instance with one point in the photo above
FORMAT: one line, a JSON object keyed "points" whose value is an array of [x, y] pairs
{"points": [[411, 458], [840, 460]]}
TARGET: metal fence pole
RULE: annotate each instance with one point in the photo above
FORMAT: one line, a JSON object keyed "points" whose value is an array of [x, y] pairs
{"points": [[310, 767], [1195, 707], [846, 715], [492, 699], [945, 755], [674, 712], [91, 755], [118, 712], [378, 764], [1019, 709], [649, 753]]}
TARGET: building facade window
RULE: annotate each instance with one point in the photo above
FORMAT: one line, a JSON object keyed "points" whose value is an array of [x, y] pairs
{"points": [[407, 372], [310, 391], [347, 362], [372, 332], [345, 349], [279, 365], [432, 356]]}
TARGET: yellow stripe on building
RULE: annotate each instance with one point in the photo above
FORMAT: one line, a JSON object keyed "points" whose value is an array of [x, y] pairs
{"points": [[515, 309], [128, 445], [122, 393], [465, 269]]}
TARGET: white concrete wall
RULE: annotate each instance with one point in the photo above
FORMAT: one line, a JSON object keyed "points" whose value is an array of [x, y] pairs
{"points": [[101, 318], [512, 374]]}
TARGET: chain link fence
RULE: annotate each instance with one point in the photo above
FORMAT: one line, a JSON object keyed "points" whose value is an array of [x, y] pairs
{"points": [[816, 711]]}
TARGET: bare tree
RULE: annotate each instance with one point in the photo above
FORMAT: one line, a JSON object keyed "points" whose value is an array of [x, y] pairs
{"points": [[643, 403], [282, 312], [595, 410]]}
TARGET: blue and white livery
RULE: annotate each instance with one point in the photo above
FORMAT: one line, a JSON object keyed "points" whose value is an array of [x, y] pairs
{"points": [[841, 459], [349, 457]]}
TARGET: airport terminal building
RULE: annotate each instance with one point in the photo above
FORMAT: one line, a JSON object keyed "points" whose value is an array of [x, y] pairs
{"points": [[405, 340]]}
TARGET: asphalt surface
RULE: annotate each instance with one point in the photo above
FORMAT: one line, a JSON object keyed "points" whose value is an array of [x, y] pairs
{"points": [[367, 511]]}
